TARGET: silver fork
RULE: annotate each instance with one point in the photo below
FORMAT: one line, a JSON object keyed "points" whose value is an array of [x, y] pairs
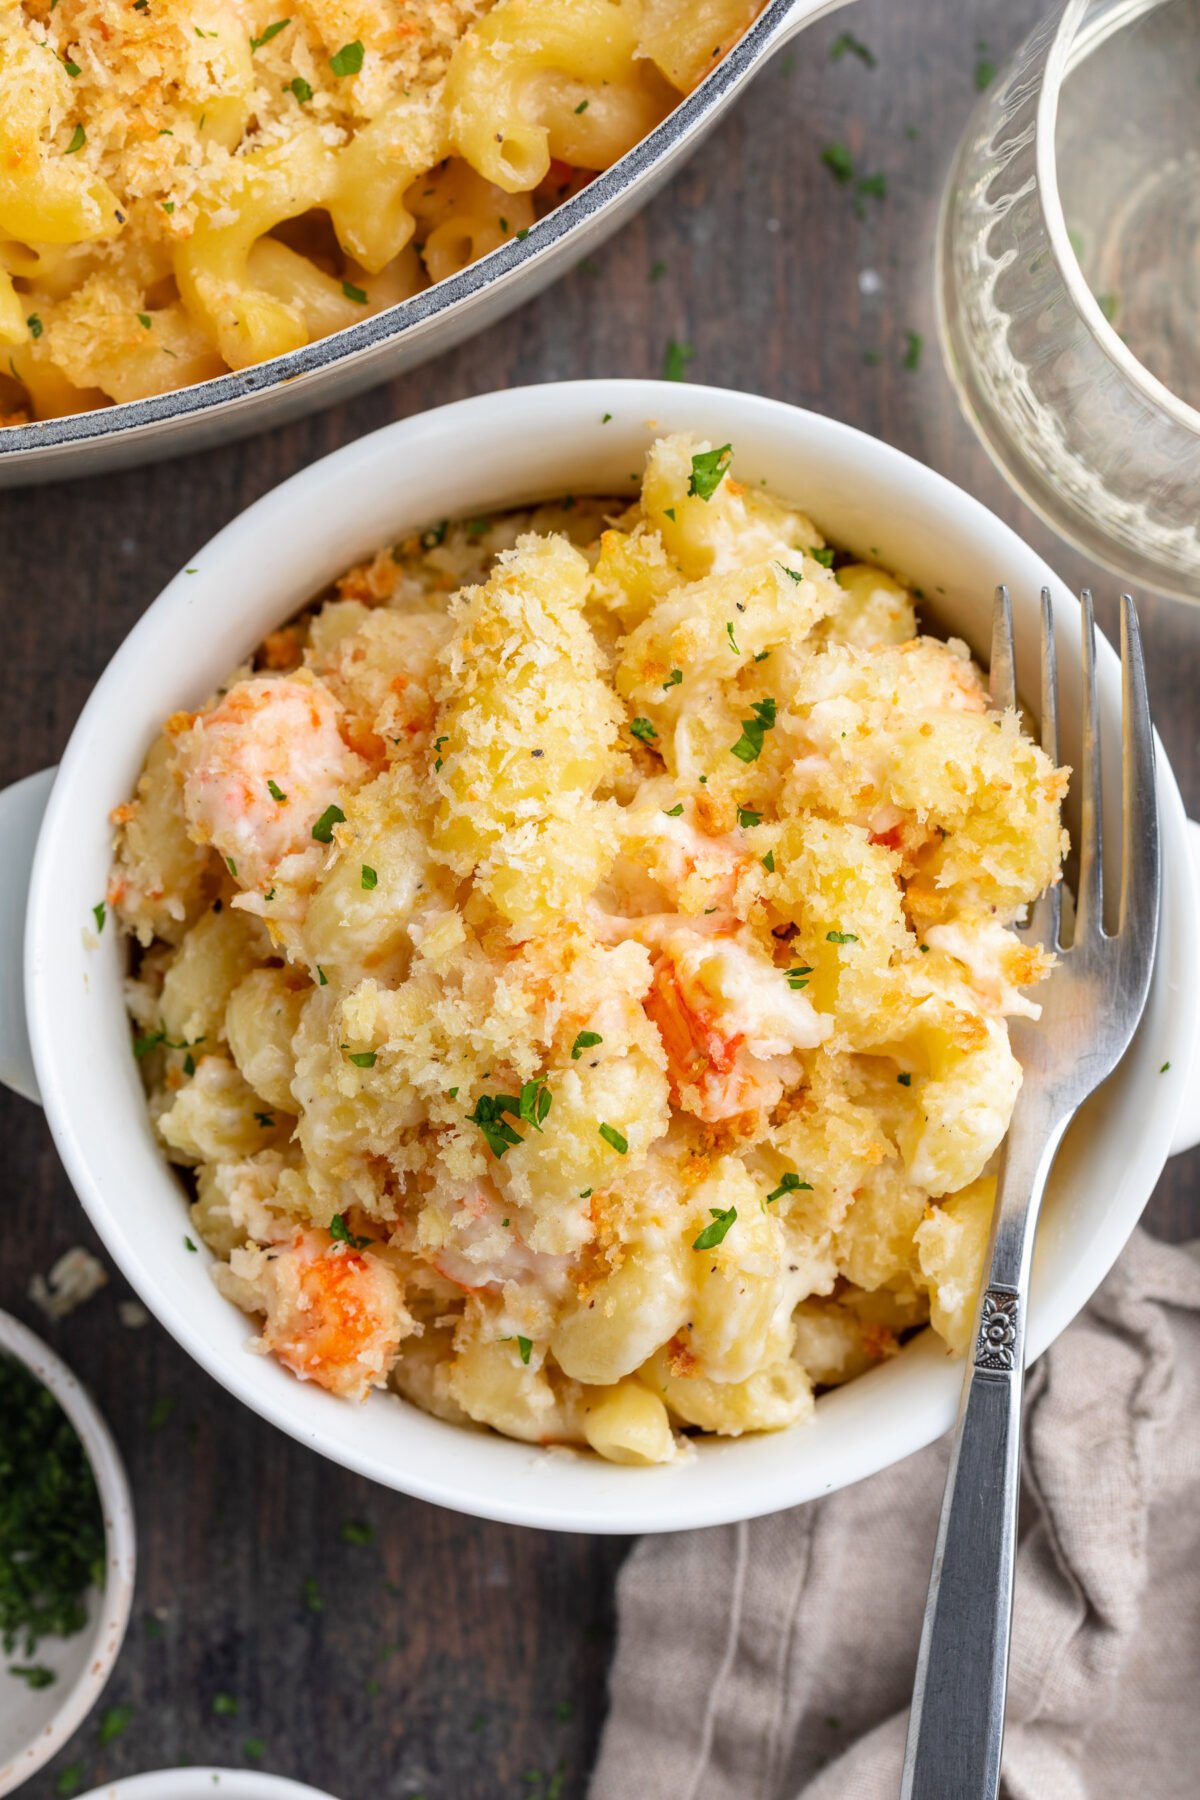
{"points": [[1091, 1007]]}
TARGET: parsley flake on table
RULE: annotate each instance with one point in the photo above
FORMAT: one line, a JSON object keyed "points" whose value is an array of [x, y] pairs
{"points": [[838, 161], [357, 1532], [323, 829], [847, 43], [312, 1595], [789, 1183], [114, 1721], [256, 43], [914, 344], [749, 746], [348, 60], [716, 1233], [709, 468], [676, 360], [585, 1041], [224, 1706]]}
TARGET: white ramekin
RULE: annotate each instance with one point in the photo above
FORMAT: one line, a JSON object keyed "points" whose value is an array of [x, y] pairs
{"points": [[205, 1784], [470, 458], [35, 1723]]}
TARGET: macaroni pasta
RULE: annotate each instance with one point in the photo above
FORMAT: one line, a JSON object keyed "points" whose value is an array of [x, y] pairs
{"points": [[189, 186], [572, 967]]}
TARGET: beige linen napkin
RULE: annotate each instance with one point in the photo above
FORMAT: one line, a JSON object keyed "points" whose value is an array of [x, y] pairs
{"points": [[774, 1660]]}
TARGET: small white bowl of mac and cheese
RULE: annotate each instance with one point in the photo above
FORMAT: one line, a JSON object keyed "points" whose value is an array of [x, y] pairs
{"points": [[519, 962]]}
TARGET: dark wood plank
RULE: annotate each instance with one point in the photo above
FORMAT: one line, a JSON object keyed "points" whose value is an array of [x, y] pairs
{"points": [[451, 1658]]}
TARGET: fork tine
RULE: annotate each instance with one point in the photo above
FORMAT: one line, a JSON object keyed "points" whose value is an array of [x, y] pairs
{"points": [[1139, 857], [1045, 920], [1089, 916], [1002, 678]]}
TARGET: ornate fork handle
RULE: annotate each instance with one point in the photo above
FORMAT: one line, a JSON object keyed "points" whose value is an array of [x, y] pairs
{"points": [[956, 1727]]}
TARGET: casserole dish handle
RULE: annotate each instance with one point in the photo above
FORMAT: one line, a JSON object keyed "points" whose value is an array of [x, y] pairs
{"points": [[21, 808]]}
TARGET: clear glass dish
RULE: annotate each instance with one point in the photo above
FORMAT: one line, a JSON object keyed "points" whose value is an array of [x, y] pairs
{"points": [[1069, 281]]}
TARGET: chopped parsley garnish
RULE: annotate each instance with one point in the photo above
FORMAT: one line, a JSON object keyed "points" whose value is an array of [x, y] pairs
{"points": [[585, 1041], [716, 1232], [476, 527], [323, 829], [669, 513], [789, 1183], [797, 978], [99, 913], [673, 812], [35, 326], [822, 554], [612, 1136], [369, 878], [733, 643], [115, 1720], [531, 1106], [582, 107], [270, 894], [674, 678], [676, 360], [709, 468], [905, 1079], [78, 140], [1164, 1068], [232, 866], [354, 293], [761, 655], [51, 1527], [643, 730], [749, 746], [796, 575], [525, 1345], [322, 977], [433, 535], [838, 161], [224, 1706], [276, 792], [150, 1040], [298, 86], [34, 1675], [914, 344], [341, 1233], [256, 43], [747, 818], [768, 862], [363, 1059], [924, 949], [188, 1245], [348, 60], [841, 937], [847, 42], [585, 1193]]}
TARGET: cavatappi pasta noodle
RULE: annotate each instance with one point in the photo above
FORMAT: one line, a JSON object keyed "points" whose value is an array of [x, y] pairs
{"points": [[571, 963], [189, 186]]}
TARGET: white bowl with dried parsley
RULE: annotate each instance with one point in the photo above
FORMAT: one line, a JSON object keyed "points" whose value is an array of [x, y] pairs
{"points": [[202, 1784], [49, 1681]]}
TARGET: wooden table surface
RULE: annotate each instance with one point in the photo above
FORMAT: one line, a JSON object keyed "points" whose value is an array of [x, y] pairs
{"points": [[449, 1658]]}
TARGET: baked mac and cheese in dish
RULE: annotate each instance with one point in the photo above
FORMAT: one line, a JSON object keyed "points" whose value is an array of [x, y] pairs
{"points": [[190, 186], [571, 962]]}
